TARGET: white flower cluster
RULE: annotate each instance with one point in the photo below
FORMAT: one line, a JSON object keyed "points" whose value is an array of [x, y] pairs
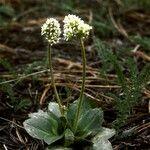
{"points": [[75, 27], [51, 31]]}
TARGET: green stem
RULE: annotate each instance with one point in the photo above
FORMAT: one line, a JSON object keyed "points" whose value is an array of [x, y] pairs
{"points": [[83, 85], [52, 79]]}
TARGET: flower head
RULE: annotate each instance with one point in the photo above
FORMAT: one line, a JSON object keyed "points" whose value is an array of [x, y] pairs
{"points": [[75, 27], [51, 31]]}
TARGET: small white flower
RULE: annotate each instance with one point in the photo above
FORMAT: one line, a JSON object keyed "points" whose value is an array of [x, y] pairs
{"points": [[75, 27], [51, 31]]}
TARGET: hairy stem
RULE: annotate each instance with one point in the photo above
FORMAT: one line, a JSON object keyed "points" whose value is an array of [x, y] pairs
{"points": [[83, 85], [52, 79]]}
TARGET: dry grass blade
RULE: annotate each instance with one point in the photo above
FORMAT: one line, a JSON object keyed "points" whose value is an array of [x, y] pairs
{"points": [[138, 16], [118, 26], [142, 55]]}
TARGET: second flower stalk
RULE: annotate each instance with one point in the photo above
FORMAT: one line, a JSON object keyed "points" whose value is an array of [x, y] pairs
{"points": [[74, 27]]}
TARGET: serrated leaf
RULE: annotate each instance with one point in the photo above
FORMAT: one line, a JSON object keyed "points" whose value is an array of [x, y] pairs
{"points": [[90, 122], [101, 142], [43, 126]]}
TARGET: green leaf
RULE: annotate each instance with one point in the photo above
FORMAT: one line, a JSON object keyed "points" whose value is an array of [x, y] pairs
{"points": [[58, 148], [72, 110], [54, 108], [142, 40], [90, 122], [43, 126], [23, 104], [71, 113], [100, 141], [6, 10], [69, 137]]}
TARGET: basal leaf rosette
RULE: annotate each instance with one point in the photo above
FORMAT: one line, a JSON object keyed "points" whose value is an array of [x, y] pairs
{"points": [[51, 30], [75, 27], [47, 125]]}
